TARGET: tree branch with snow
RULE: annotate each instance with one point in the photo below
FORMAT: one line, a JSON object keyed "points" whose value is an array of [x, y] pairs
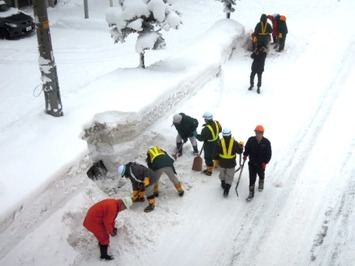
{"points": [[147, 18]]}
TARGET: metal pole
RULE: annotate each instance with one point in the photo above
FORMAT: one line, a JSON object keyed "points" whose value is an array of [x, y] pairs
{"points": [[86, 9], [46, 60]]}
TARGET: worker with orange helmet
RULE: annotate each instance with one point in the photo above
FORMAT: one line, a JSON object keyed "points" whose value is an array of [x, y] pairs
{"points": [[258, 148]]}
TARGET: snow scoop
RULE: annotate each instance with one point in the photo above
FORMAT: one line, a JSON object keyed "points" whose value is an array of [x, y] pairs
{"points": [[197, 163], [240, 175]]}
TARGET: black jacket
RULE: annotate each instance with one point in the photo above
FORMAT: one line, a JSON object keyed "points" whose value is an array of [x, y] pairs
{"points": [[187, 126], [258, 152], [259, 56]]}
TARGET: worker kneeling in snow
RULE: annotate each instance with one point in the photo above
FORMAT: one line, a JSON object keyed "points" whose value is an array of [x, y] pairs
{"points": [[100, 220]]}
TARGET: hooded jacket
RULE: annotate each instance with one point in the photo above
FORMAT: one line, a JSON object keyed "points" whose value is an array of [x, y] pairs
{"points": [[263, 30]]}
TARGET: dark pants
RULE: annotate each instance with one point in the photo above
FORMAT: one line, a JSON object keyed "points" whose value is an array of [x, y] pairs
{"points": [[209, 148], [255, 169], [252, 75], [282, 43]]}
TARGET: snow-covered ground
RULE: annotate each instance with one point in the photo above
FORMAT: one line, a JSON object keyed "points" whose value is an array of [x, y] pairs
{"points": [[305, 214]]}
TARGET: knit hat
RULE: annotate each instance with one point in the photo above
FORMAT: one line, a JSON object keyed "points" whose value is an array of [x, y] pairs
{"points": [[177, 118]]}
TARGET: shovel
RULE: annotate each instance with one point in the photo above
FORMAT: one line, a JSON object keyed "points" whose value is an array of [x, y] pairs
{"points": [[197, 163], [240, 175]]}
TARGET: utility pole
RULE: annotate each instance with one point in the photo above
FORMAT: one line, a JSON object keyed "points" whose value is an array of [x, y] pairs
{"points": [[46, 60], [86, 9]]}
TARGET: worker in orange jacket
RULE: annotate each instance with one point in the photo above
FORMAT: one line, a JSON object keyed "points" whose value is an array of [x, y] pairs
{"points": [[100, 220]]}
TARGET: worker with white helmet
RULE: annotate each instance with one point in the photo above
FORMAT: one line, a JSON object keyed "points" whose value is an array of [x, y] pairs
{"points": [[142, 179], [226, 152], [209, 135]]}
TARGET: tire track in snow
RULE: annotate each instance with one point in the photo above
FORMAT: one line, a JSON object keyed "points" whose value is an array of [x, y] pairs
{"points": [[246, 242]]}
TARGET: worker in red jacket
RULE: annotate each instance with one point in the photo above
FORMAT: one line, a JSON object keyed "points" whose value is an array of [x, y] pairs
{"points": [[100, 220]]}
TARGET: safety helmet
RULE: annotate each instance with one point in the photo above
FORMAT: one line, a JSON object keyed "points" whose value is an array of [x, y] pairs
{"points": [[226, 132], [127, 201], [121, 170], [177, 118], [259, 128], [208, 116]]}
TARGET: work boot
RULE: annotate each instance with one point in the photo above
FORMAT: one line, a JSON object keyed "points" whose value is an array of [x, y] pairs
{"points": [[179, 189], [208, 171], [251, 193], [195, 149], [149, 208], [103, 253], [250, 88], [226, 190], [261, 184], [179, 149], [139, 199], [258, 90], [151, 205], [223, 183]]}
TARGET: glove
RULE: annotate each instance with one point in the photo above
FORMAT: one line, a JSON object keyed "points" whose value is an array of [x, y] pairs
{"points": [[241, 144], [263, 166], [215, 163], [280, 35], [146, 181], [194, 133], [244, 156], [114, 232]]}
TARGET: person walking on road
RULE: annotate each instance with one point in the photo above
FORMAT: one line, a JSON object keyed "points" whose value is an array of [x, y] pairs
{"points": [[257, 67], [226, 152], [258, 148]]}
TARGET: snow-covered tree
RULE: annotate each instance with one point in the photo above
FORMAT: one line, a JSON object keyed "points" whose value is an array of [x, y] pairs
{"points": [[147, 18], [228, 6]]}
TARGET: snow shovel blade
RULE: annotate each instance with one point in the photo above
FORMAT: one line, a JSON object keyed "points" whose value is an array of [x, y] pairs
{"points": [[197, 164]]}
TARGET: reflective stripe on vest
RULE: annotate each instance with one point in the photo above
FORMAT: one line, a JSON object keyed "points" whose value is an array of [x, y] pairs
{"points": [[154, 152], [214, 135], [227, 154], [263, 29]]}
